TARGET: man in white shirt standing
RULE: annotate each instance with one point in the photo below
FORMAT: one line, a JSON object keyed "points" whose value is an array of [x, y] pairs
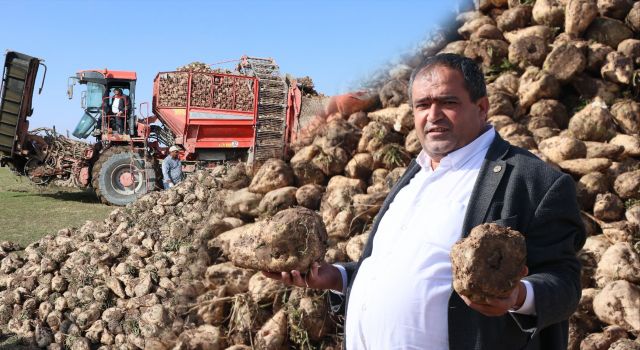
{"points": [[118, 109], [399, 295]]}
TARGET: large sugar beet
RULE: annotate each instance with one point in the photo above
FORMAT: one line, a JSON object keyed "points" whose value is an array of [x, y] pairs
{"points": [[630, 144], [625, 344], [488, 263], [412, 143], [341, 133], [499, 103], [273, 333], [589, 88], [291, 240], [608, 31], [621, 231], [309, 196], [626, 114], [550, 109], [618, 303], [584, 166], [390, 115], [631, 49], [528, 50], [549, 12], [598, 341], [360, 166], [263, 289], [633, 18], [535, 85], [393, 93], [391, 156], [608, 207], [627, 185], [331, 161], [243, 204], [273, 174], [565, 61], [277, 200], [589, 186], [308, 316], [514, 18], [473, 25], [355, 246], [507, 83], [578, 16], [375, 135], [235, 280], [633, 214], [489, 52], [620, 261], [617, 9], [456, 47], [592, 123], [541, 31], [617, 68], [603, 150], [561, 148]]}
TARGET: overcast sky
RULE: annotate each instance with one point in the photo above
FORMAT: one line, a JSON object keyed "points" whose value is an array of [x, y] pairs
{"points": [[337, 43]]}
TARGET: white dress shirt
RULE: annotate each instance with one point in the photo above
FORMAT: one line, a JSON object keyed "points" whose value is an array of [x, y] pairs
{"points": [[400, 296], [115, 105]]}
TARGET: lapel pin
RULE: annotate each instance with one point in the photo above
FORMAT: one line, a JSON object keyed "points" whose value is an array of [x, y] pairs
{"points": [[497, 168]]}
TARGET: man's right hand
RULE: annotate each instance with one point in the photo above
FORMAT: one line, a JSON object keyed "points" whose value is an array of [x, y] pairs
{"points": [[320, 276]]}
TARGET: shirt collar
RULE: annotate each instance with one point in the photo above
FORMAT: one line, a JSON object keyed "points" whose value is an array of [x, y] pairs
{"points": [[459, 157]]}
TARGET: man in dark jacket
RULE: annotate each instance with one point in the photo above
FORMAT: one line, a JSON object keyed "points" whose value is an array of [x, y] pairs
{"points": [[118, 109], [399, 294]]}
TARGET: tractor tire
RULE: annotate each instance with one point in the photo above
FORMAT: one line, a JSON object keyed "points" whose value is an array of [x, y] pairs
{"points": [[119, 176]]}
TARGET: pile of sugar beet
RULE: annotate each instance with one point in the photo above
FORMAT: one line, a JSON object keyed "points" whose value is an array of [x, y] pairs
{"points": [[158, 274]]}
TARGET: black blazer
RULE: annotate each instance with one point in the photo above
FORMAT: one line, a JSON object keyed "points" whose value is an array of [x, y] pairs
{"points": [[516, 189]]}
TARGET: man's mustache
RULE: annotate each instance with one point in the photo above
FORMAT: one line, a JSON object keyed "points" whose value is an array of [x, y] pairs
{"points": [[429, 127]]}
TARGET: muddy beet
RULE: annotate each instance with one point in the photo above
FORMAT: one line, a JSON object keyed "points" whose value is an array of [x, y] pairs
{"points": [[290, 240], [488, 262]]}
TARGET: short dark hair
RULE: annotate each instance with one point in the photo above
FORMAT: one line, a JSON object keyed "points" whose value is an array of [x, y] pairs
{"points": [[471, 72]]}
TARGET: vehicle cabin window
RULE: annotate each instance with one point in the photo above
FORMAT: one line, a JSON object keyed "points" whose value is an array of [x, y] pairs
{"points": [[95, 92]]}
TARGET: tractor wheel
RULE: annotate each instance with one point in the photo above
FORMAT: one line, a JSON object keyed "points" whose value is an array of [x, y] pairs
{"points": [[119, 176]]}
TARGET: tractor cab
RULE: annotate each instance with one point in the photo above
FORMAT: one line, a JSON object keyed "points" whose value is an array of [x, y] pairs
{"points": [[106, 116]]}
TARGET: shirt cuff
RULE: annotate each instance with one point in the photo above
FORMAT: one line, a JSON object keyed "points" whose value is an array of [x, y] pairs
{"points": [[343, 273], [529, 305]]}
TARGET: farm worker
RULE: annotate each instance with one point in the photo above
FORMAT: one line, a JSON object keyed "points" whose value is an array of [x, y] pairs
{"points": [[172, 168], [399, 295], [118, 109]]}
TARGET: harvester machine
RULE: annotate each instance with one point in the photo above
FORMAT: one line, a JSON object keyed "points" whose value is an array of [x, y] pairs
{"points": [[215, 116]]}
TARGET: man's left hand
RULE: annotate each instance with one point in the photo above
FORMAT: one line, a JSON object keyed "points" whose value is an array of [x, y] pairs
{"points": [[501, 305]]}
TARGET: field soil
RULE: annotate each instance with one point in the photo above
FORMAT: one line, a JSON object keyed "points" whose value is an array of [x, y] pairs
{"points": [[28, 212]]}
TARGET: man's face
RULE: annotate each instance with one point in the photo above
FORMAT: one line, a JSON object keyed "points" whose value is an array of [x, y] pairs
{"points": [[116, 92], [445, 117], [174, 154]]}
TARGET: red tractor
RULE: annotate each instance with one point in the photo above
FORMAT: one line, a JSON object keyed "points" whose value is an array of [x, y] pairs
{"points": [[245, 115]]}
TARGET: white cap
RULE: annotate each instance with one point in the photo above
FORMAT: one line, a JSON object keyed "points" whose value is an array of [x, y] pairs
{"points": [[174, 148]]}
